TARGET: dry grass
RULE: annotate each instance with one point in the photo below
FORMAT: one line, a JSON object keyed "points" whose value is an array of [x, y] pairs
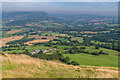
{"points": [[23, 66], [13, 31], [5, 40]]}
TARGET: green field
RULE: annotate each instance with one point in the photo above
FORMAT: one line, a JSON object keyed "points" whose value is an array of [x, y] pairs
{"points": [[104, 31], [29, 48], [110, 52], [102, 60], [80, 39], [54, 41], [97, 42], [49, 33], [63, 39], [61, 47], [87, 59]]}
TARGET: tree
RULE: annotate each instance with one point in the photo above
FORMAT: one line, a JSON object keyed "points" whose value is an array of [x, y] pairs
{"points": [[74, 63], [97, 47], [46, 35], [43, 38], [95, 53], [26, 52], [66, 59], [82, 47], [40, 52], [39, 34], [71, 51], [101, 52]]}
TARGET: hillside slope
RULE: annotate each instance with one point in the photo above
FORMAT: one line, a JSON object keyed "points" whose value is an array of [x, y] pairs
{"points": [[23, 66]]}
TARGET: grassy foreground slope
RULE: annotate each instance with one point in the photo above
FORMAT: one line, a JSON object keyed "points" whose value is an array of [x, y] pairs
{"points": [[23, 66]]}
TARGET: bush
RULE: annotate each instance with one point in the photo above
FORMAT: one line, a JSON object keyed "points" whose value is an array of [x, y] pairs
{"points": [[82, 47], [97, 47], [66, 48], [95, 53], [66, 59], [13, 53], [101, 52], [43, 38], [56, 40], [74, 63]]}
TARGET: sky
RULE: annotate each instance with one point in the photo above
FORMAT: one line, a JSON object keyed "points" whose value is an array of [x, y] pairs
{"points": [[99, 8], [60, 0]]}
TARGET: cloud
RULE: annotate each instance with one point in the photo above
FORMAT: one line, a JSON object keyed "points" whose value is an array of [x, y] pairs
{"points": [[60, 0]]}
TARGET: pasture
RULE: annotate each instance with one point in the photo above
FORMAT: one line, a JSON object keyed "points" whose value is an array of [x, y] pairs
{"points": [[87, 59], [53, 34], [80, 39], [110, 52], [110, 60], [63, 39]]}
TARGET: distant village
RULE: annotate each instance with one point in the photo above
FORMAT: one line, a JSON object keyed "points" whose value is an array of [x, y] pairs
{"points": [[45, 51]]}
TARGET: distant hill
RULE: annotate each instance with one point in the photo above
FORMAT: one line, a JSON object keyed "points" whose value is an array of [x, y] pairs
{"points": [[23, 66], [54, 22], [22, 18], [22, 14]]}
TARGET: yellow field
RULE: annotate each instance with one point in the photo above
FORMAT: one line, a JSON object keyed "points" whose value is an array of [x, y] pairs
{"points": [[13, 31], [38, 39], [35, 41], [5, 40]]}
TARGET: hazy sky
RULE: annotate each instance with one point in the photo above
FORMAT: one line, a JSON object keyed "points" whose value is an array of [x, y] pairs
{"points": [[100, 8], [60, 0]]}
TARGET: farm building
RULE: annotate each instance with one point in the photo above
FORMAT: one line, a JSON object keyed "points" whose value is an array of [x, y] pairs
{"points": [[45, 51], [36, 52]]}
